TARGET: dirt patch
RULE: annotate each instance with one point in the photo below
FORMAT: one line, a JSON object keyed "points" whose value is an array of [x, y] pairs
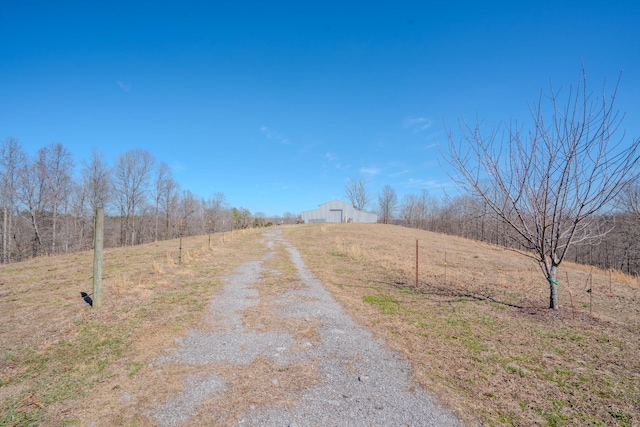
{"points": [[255, 385], [272, 295]]}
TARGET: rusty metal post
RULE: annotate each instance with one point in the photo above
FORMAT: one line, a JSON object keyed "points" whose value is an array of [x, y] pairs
{"points": [[180, 250]]}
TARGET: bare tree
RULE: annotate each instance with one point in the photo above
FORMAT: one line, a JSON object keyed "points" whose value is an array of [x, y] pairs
{"points": [[167, 197], [55, 164], [11, 156], [131, 176], [387, 203], [30, 187], [80, 215], [96, 180], [356, 192], [289, 218], [630, 200], [549, 183], [216, 208], [163, 183], [189, 206], [410, 210], [424, 206]]}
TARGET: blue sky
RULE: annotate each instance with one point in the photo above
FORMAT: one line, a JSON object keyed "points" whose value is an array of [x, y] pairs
{"points": [[277, 104]]}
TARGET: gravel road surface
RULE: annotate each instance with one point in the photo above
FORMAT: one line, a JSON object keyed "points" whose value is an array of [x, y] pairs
{"points": [[360, 382]]}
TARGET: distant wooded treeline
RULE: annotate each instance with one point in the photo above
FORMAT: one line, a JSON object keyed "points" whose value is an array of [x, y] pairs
{"points": [[46, 210], [465, 216]]}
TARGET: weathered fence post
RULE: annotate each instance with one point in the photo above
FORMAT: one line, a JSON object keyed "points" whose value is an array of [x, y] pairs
{"points": [[417, 281], [98, 240]]}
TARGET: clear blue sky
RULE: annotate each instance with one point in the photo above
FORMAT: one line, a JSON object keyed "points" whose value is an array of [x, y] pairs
{"points": [[276, 104]]}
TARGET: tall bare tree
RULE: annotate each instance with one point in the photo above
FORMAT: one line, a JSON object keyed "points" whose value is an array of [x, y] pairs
{"points": [[96, 180], [11, 156], [30, 189], [55, 165], [410, 210], [356, 192], [630, 200], [189, 205], [131, 181], [387, 203], [167, 196], [163, 184], [548, 183], [216, 212]]}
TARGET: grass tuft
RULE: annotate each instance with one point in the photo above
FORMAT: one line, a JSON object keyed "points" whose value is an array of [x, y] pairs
{"points": [[157, 268], [386, 303]]}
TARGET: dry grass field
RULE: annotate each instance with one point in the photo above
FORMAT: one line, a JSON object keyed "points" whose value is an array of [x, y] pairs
{"points": [[475, 328], [476, 331], [60, 359]]}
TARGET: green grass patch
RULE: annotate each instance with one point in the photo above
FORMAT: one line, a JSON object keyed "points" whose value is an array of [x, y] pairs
{"points": [[514, 369], [134, 367], [623, 419], [384, 302], [63, 371]]}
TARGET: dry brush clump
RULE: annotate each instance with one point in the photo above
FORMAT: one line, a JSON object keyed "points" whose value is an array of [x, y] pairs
{"points": [[475, 328]]}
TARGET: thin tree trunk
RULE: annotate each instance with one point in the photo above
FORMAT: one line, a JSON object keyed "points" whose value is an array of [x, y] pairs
{"points": [[5, 230], [156, 218], [37, 242], [55, 218], [553, 287], [9, 234]]}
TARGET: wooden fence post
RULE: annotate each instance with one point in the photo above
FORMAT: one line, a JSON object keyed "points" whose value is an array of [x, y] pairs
{"points": [[417, 281], [98, 241]]}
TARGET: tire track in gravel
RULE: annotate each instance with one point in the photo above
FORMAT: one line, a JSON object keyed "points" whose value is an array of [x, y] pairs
{"points": [[266, 374]]}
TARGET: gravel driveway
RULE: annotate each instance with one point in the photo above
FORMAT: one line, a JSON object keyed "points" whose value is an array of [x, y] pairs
{"points": [[352, 378]]}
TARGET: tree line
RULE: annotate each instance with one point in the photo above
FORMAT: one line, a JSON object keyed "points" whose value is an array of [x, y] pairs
{"points": [[46, 210]]}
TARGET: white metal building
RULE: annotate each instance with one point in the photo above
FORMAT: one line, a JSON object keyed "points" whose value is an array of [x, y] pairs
{"points": [[337, 211]]}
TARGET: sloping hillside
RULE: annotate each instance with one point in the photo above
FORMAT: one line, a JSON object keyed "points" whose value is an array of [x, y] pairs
{"points": [[475, 329]]}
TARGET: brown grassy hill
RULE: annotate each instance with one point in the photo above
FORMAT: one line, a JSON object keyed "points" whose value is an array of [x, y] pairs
{"points": [[475, 329]]}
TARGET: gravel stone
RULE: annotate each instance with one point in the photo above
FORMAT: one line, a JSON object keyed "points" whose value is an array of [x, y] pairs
{"points": [[362, 382], [179, 408]]}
